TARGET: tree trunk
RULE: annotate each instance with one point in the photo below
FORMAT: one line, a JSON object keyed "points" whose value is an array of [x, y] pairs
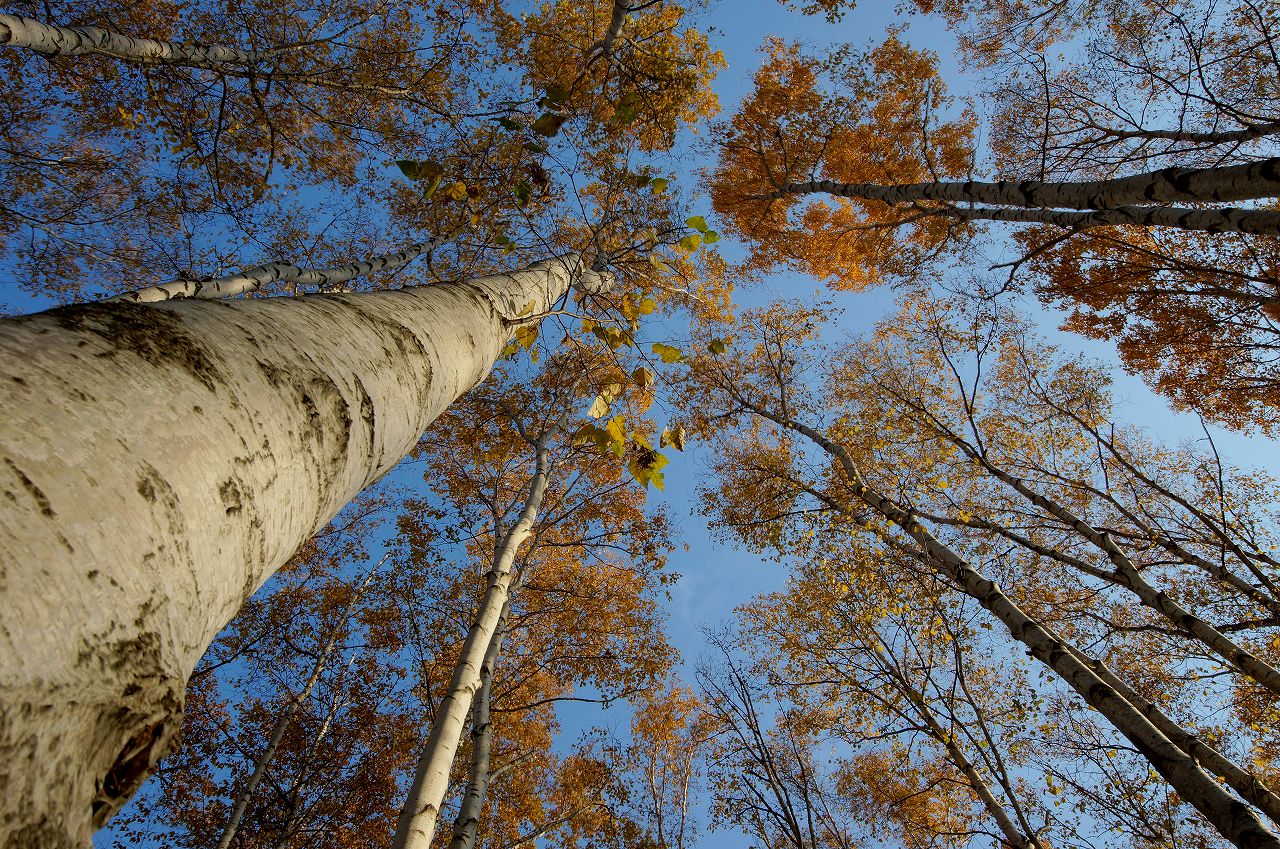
{"points": [[159, 463], [467, 824], [416, 826], [253, 279], [621, 8], [1233, 819], [1251, 181], [1258, 222], [51, 40]]}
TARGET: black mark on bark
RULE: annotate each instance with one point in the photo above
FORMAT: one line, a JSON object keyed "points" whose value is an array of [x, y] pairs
{"points": [[159, 337], [34, 491], [231, 498]]}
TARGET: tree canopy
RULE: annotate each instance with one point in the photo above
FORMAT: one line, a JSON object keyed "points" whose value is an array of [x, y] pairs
{"points": [[508, 268]]}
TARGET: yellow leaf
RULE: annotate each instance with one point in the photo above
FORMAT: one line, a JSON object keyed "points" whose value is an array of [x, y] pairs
{"points": [[599, 408], [673, 437], [526, 335], [667, 353]]}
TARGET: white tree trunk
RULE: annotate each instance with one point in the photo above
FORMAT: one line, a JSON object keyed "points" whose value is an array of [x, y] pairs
{"points": [[1250, 181], [253, 279], [51, 40], [158, 463], [417, 824]]}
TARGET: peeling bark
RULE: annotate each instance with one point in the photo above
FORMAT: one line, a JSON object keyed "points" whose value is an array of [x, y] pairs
{"points": [[158, 463]]}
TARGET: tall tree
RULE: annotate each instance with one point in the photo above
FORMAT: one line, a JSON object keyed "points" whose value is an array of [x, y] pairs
{"points": [[1148, 179], [1030, 488], [318, 412]]}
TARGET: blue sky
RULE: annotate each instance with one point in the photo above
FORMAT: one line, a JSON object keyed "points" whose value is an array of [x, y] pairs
{"points": [[715, 577]]}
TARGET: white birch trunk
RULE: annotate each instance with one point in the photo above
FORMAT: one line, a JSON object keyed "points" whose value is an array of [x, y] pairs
{"points": [[1251, 181], [1233, 819], [253, 279], [1257, 222], [467, 824], [417, 823], [158, 463], [52, 40]]}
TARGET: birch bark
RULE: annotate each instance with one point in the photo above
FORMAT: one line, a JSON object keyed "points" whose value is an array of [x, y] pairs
{"points": [[158, 463], [416, 826], [253, 279], [467, 824], [1251, 181], [52, 40], [1234, 820]]}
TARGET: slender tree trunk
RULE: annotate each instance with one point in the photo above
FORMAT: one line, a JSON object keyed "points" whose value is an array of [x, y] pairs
{"points": [[1259, 222], [1247, 785], [1251, 181], [1127, 575], [1233, 819], [286, 717], [158, 463], [253, 279], [1013, 835], [51, 40], [416, 826], [467, 824], [621, 8]]}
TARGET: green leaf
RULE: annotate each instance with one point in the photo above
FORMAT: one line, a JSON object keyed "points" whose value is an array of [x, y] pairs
{"points": [[507, 124], [717, 346], [667, 353], [415, 170], [691, 242], [557, 94], [614, 337], [502, 240], [523, 193], [710, 237], [535, 147], [698, 223], [548, 124], [627, 109], [647, 306], [660, 185], [432, 186]]}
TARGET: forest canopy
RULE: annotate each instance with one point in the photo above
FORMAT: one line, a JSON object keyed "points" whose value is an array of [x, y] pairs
{"points": [[631, 424]]}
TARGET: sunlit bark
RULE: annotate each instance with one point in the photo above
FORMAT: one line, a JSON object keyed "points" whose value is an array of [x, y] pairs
{"points": [[159, 464]]}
